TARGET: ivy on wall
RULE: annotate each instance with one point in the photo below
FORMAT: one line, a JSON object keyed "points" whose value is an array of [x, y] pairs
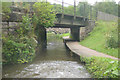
{"points": [[20, 47]]}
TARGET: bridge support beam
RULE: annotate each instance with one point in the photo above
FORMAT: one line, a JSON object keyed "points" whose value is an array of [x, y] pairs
{"points": [[74, 34]]}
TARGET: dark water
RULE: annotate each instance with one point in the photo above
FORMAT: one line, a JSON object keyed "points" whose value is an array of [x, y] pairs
{"points": [[55, 62]]}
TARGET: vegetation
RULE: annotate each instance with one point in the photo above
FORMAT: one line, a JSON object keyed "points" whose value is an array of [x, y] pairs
{"points": [[83, 9], [100, 67], [6, 9], [44, 14], [44, 17], [108, 7], [57, 8], [20, 47], [103, 38], [59, 36], [63, 35]]}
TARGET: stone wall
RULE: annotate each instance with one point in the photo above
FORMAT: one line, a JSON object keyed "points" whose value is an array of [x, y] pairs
{"points": [[9, 27], [15, 17], [58, 30], [84, 31]]}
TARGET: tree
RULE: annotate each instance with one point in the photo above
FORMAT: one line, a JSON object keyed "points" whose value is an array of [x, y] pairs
{"points": [[57, 8], [107, 7], [81, 7], [44, 16], [69, 10]]}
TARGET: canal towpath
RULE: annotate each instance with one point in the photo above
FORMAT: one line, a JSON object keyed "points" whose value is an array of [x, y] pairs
{"points": [[83, 51]]}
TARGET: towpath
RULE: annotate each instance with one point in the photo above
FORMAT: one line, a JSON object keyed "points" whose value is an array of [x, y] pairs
{"points": [[86, 52]]}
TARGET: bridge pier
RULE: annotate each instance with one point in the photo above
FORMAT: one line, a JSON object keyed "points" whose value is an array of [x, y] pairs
{"points": [[75, 33]]}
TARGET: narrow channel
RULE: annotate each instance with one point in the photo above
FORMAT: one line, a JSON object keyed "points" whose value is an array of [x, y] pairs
{"points": [[55, 62]]}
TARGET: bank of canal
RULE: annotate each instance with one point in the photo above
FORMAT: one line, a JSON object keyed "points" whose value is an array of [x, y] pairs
{"points": [[55, 62]]}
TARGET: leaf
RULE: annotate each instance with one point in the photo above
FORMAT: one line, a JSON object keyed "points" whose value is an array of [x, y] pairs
{"points": [[115, 72]]}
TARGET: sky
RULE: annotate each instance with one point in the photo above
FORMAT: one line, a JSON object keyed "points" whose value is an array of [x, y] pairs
{"points": [[66, 1]]}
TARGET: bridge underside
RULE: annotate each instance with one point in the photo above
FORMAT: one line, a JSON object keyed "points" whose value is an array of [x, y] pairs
{"points": [[67, 26]]}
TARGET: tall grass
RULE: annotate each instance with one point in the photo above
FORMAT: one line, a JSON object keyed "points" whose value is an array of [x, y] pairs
{"points": [[103, 38]]}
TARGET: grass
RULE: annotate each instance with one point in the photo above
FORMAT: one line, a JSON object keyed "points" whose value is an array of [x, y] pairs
{"points": [[97, 38], [100, 67], [60, 36], [63, 35]]}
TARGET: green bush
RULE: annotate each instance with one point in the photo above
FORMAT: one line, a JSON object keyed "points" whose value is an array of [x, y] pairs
{"points": [[101, 67], [112, 39], [20, 47], [14, 52]]}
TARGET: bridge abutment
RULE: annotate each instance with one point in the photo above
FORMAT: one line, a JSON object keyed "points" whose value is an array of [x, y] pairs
{"points": [[42, 39], [75, 34]]}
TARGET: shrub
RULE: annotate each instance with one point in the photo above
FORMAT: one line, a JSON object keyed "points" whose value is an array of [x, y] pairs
{"points": [[101, 67], [14, 52], [21, 47], [112, 39]]}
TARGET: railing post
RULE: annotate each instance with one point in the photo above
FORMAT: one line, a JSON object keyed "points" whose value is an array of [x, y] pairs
{"points": [[84, 12], [74, 9], [91, 12], [62, 8], [96, 13]]}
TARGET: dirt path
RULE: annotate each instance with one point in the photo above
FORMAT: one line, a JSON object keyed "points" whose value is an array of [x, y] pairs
{"points": [[86, 52]]}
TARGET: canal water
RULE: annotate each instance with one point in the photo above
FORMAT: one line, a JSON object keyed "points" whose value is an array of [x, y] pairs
{"points": [[55, 62]]}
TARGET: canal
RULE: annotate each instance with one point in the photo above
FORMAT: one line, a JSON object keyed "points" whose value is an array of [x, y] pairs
{"points": [[55, 62]]}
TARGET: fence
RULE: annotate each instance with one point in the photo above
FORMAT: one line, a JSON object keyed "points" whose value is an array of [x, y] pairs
{"points": [[106, 17]]}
